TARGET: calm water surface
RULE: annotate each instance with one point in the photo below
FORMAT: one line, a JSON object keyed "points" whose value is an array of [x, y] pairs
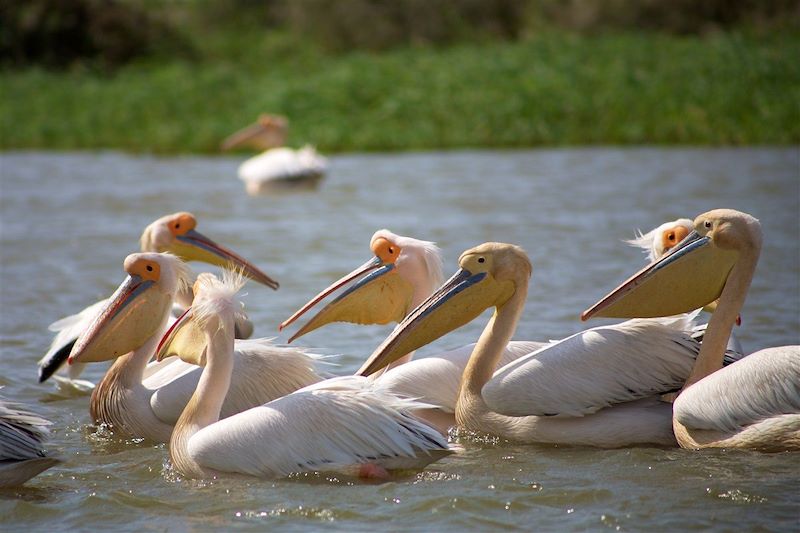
{"points": [[68, 221]]}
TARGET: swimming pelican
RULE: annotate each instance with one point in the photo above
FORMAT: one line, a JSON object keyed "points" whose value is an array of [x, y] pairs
{"points": [[128, 330], [278, 167], [404, 272], [753, 403], [22, 436], [339, 424], [173, 233], [584, 390], [657, 242], [401, 275]]}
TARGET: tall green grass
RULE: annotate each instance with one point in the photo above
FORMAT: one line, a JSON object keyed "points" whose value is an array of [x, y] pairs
{"points": [[551, 89]]}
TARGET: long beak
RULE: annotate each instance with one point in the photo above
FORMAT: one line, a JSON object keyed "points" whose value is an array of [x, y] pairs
{"points": [[184, 339], [242, 136], [380, 297], [460, 300], [691, 276], [133, 315], [193, 245]]}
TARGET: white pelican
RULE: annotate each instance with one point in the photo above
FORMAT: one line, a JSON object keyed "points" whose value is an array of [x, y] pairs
{"points": [[586, 389], [657, 242], [128, 330], [173, 233], [403, 273], [278, 167], [753, 403], [339, 424], [22, 436]]}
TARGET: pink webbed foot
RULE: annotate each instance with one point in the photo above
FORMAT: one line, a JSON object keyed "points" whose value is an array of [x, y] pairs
{"points": [[372, 471]]}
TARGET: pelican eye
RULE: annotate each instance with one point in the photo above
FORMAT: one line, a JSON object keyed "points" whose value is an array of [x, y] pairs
{"points": [[391, 250], [178, 226], [707, 223], [149, 268], [481, 260]]}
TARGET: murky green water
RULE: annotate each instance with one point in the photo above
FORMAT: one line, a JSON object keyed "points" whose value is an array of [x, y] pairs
{"points": [[69, 220]]}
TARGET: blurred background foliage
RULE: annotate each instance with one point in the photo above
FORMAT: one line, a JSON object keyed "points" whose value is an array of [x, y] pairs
{"points": [[58, 33], [180, 75]]}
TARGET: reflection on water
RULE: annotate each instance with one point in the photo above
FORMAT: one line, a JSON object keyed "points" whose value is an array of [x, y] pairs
{"points": [[68, 221]]}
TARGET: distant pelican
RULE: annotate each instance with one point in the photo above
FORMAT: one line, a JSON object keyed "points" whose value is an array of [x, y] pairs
{"points": [[22, 436], [173, 233], [753, 403], [340, 424], [278, 167], [128, 329]]}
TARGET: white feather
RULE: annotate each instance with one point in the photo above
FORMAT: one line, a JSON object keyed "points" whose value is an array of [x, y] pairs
{"points": [[762, 385], [651, 243], [328, 426], [596, 368], [282, 164], [435, 380], [262, 372], [22, 437]]}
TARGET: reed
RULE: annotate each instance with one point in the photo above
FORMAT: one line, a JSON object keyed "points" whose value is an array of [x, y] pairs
{"points": [[547, 89]]}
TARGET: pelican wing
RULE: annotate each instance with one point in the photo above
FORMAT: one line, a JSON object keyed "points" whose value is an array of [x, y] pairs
{"points": [[22, 436], [283, 163], [762, 385], [262, 372], [328, 426], [436, 379], [67, 331], [596, 368], [22, 433]]}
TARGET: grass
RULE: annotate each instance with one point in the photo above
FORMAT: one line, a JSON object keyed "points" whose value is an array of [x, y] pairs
{"points": [[551, 89]]}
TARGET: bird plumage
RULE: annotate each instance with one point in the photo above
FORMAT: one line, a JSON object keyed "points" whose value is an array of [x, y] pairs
{"points": [[336, 424], [22, 438]]}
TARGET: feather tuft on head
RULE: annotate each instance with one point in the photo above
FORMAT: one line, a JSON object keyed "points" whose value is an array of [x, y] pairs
{"points": [[652, 243], [216, 298], [426, 251]]}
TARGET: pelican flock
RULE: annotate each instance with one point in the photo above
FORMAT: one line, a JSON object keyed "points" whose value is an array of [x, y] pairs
{"points": [[175, 233], [753, 403], [232, 406], [277, 167], [128, 330], [405, 271]]}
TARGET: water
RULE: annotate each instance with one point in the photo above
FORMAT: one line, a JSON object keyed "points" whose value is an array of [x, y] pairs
{"points": [[68, 221]]}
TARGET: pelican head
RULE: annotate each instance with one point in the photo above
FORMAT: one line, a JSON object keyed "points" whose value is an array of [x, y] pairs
{"points": [[662, 239], [135, 311], [177, 235], [489, 276], [402, 269], [269, 131], [691, 276], [215, 308]]}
